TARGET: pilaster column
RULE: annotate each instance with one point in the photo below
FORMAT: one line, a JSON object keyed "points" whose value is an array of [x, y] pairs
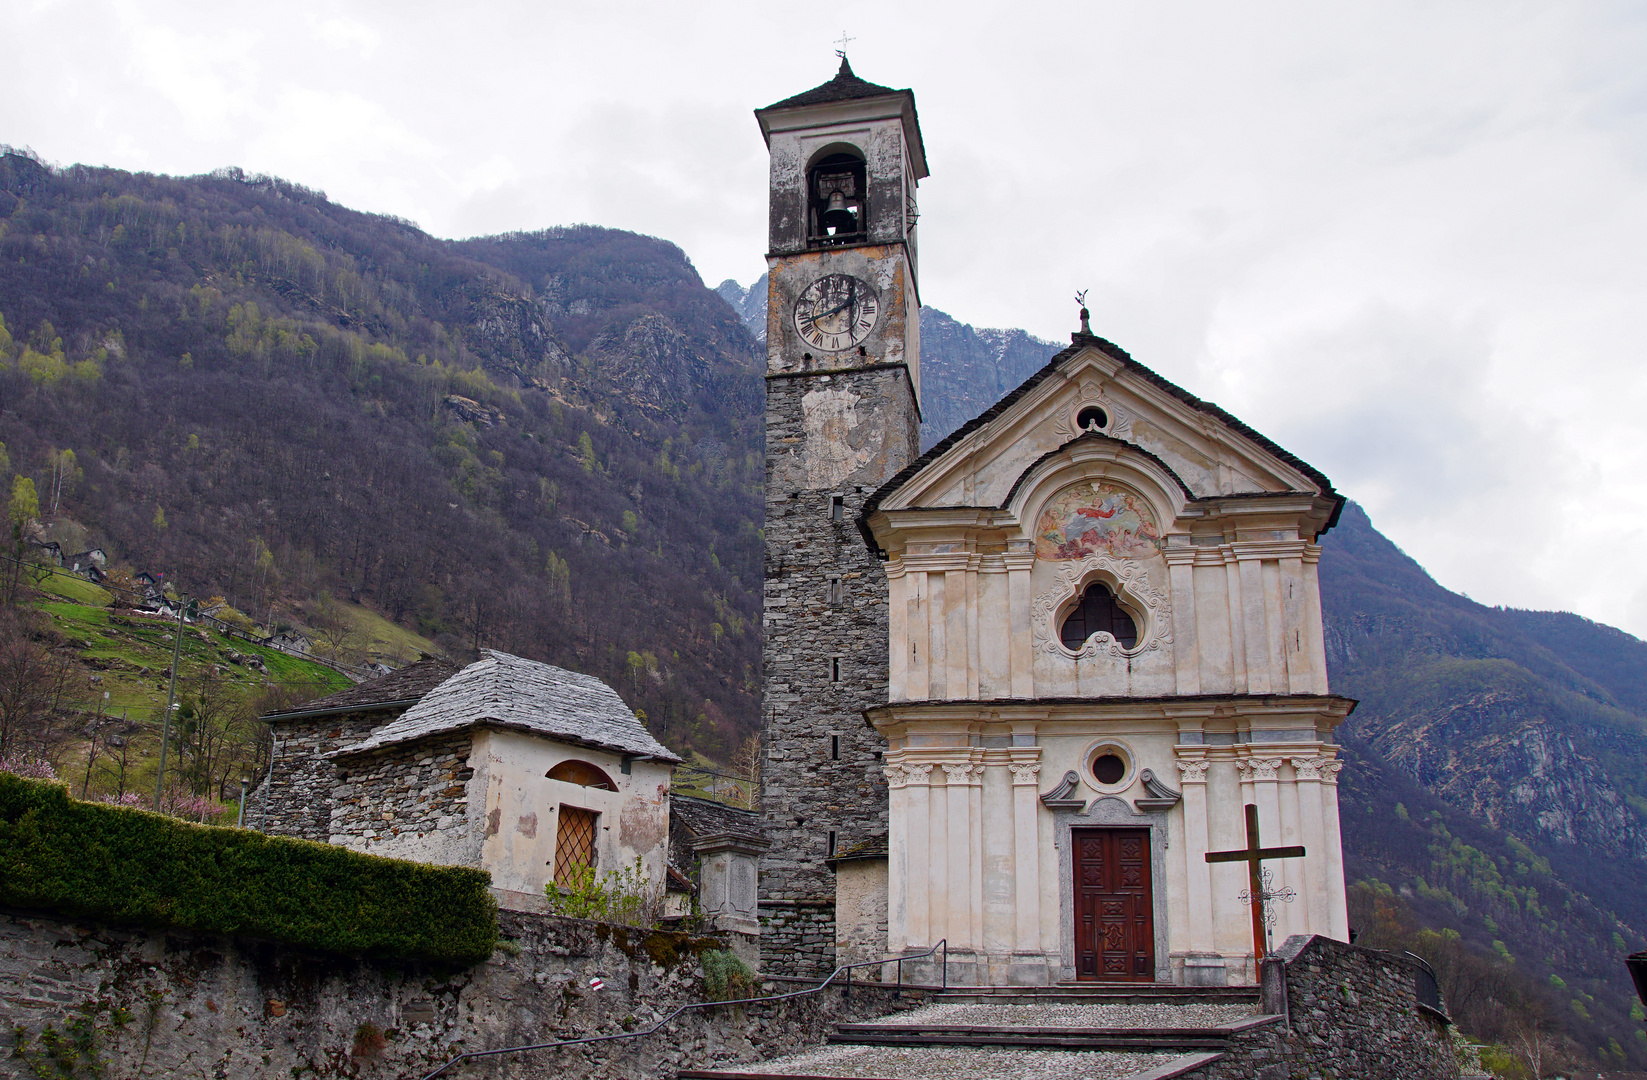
{"points": [[958, 614], [1338, 913], [918, 637], [1026, 854], [1254, 625], [974, 663], [1238, 623], [1020, 561], [918, 807], [897, 858], [1294, 604], [1192, 776], [1186, 656], [897, 630], [1313, 835], [958, 791], [937, 625], [1265, 794], [1314, 640], [1294, 917]]}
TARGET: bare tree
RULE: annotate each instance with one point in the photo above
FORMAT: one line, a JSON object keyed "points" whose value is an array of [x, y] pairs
{"points": [[35, 692]]}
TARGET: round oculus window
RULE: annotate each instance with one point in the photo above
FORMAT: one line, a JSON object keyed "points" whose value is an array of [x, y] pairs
{"points": [[1091, 418], [1108, 768]]}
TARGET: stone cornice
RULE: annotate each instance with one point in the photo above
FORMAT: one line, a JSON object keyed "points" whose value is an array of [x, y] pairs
{"points": [[1329, 707]]}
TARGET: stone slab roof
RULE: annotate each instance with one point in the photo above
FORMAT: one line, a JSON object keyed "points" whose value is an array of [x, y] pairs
{"points": [[705, 817], [505, 691], [404, 684], [845, 86]]}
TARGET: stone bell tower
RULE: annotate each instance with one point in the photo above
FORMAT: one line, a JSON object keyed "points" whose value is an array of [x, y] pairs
{"points": [[842, 417]]}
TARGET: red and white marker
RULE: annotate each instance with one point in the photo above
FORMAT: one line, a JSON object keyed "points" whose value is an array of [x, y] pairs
{"points": [[597, 983]]}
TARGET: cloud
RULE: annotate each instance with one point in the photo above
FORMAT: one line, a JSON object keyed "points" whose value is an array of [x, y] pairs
{"points": [[1402, 238]]}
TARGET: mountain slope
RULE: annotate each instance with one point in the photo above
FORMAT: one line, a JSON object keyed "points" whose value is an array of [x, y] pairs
{"points": [[547, 443]]}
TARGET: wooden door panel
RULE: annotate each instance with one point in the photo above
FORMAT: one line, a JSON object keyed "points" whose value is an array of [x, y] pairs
{"points": [[1114, 906]]}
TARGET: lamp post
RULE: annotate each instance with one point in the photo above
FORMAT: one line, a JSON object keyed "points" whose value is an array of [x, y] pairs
{"points": [[240, 822]]}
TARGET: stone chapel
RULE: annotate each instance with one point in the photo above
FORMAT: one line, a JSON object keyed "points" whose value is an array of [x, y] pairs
{"points": [[1018, 687]]}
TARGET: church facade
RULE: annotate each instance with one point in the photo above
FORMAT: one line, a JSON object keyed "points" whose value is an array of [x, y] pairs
{"points": [[1019, 687]]}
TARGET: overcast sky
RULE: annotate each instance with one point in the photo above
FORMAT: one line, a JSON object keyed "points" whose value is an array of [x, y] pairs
{"points": [[1405, 240]]}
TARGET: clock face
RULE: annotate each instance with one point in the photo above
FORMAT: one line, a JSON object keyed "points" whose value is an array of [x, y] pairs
{"points": [[836, 312]]}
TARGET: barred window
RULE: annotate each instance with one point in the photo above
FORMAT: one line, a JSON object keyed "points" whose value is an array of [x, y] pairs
{"points": [[574, 843], [1098, 611]]}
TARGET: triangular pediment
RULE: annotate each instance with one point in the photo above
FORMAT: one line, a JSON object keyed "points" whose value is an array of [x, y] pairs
{"points": [[1192, 444]]}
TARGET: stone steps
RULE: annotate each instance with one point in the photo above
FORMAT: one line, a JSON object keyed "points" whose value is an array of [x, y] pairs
{"points": [[1100, 993], [1060, 1038], [1105, 1032]]}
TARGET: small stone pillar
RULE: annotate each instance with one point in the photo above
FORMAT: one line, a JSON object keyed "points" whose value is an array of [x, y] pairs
{"points": [[727, 869]]}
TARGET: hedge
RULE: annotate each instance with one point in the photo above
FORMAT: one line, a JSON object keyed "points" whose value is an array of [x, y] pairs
{"points": [[122, 866]]}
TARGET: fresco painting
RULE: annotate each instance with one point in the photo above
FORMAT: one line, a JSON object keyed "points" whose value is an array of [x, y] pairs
{"points": [[1094, 518]]}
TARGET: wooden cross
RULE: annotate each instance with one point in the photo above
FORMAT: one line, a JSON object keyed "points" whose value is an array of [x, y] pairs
{"points": [[1252, 855]]}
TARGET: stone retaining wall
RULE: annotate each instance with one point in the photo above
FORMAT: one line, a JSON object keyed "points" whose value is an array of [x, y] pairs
{"points": [[175, 1004], [1349, 1012]]}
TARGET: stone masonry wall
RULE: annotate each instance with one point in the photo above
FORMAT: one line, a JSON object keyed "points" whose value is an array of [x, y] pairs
{"points": [[296, 797], [213, 1007], [798, 937], [807, 792], [412, 790], [1353, 1015]]}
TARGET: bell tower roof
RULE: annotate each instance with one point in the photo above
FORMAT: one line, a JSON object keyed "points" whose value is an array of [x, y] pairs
{"points": [[843, 91], [845, 86]]}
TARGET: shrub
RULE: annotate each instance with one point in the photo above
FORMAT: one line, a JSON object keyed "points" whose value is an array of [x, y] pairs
{"points": [[725, 977], [120, 865], [617, 896]]}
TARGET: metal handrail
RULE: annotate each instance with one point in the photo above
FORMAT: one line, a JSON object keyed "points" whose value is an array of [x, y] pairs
{"points": [[1426, 986], [661, 1024]]}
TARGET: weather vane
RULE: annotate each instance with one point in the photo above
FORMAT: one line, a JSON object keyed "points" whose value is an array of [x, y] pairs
{"points": [[843, 42]]}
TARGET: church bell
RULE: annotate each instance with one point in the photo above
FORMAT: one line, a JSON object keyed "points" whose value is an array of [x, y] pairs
{"points": [[837, 218]]}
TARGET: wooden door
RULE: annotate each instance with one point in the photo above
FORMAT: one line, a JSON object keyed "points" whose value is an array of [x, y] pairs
{"points": [[1114, 908]]}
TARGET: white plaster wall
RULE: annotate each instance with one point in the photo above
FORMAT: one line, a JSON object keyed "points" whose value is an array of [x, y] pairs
{"points": [[973, 852], [519, 809]]}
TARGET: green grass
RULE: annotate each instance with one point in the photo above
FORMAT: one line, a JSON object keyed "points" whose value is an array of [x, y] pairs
{"points": [[117, 647], [73, 589], [374, 636]]}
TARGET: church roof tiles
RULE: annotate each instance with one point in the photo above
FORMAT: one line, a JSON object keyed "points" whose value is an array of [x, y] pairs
{"points": [[505, 691]]}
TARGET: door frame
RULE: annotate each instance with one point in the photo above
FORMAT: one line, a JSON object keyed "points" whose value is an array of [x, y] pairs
{"points": [[1112, 812]]}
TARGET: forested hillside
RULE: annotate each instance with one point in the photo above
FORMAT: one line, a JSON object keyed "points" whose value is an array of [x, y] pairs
{"points": [[544, 443]]}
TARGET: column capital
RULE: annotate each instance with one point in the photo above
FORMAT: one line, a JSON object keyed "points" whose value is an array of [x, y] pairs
{"points": [[1025, 774], [1253, 770], [1192, 770], [1308, 768]]}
